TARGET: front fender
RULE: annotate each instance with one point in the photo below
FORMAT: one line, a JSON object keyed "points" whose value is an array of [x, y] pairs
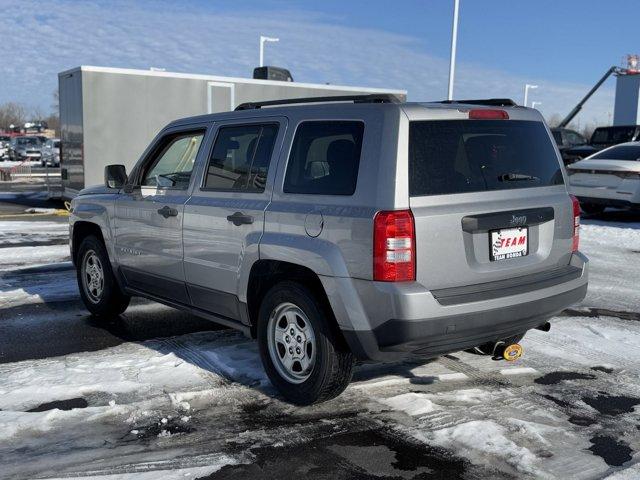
{"points": [[99, 211]]}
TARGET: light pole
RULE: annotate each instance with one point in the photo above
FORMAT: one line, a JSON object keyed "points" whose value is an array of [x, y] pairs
{"points": [[526, 92], [533, 104], [454, 41], [264, 39]]}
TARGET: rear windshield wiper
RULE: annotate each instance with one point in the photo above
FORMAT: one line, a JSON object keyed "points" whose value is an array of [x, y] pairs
{"points": [[516, 177]]}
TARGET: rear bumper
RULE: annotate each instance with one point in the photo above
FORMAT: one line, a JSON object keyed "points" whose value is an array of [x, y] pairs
{"points": [[386, 322]]}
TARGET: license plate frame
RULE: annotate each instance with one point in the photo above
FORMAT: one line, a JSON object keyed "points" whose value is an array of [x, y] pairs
{"points": [[507, 243]]}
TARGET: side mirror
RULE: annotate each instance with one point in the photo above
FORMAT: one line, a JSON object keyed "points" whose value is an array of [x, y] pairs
{"points": [[115, 176]]}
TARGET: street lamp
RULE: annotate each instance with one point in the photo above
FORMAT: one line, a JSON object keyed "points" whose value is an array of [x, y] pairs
{"points": [[526, 92], [533, 104], [264, 39], [454, 41]]}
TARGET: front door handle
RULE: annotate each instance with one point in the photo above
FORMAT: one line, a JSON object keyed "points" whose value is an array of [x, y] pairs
{"points": [[240, 218], [167, 211]]}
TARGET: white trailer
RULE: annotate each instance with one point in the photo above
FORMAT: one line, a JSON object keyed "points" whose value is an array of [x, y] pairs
{"points": [[110, 115]]}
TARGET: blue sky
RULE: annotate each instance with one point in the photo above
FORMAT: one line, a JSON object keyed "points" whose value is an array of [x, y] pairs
{"points": [[563, 46]]}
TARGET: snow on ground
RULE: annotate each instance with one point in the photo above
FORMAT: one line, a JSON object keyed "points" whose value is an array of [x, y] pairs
{"points": [[612, 249], [191, 405], [21, 232]]}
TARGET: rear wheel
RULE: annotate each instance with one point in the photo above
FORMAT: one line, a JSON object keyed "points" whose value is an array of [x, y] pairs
{"points": [[300, 352], [99, 289], [591, 208]]}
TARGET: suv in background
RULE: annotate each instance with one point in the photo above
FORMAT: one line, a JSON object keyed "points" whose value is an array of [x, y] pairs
{"points": [[339, 231], [25, 149], [604, 137], [5, 141], [566, 140], [51, 153]]}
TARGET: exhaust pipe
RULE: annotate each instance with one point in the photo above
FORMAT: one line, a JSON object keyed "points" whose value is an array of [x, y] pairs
{"points": [[545, 327]]}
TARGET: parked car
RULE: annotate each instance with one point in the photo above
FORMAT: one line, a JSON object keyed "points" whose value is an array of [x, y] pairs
{"points": [[566, 140], [5, 141], [25, 149], [51, 153], [341, 231], [604, 137], [610, 178]]}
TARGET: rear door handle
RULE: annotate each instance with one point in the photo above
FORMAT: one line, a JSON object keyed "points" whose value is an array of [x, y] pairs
{"points": [[167, 211], [240, 218]]}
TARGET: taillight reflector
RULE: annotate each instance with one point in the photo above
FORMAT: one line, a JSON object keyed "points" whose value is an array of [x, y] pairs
{"points": [[576, 224], [488, 114], [394, 246]]}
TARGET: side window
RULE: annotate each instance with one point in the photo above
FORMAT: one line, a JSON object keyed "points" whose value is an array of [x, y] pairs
{"points": [[575, 139], [174, 161], [240, 158], [324, 158]]}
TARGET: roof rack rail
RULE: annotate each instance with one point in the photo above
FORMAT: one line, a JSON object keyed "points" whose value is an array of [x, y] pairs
{"points": [[491, 102], [372, 98]]}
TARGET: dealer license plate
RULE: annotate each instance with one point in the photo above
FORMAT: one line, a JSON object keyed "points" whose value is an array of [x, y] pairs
{"points": [[508, 243]]}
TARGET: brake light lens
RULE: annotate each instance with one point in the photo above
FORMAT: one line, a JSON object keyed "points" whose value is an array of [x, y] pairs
{"points": [[576, 224], [488, 114], [394, 246]]}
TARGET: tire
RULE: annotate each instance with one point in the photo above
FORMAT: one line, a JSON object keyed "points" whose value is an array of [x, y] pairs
{"points": [[101, 295], [324, 366], [487, 348], [592, 209]]}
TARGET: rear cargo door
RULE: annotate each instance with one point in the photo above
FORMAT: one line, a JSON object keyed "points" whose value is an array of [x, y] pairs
{"points": [[489, 201]]}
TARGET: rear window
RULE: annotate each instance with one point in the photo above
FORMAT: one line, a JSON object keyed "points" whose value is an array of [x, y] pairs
{"points": [[324, 158], [613, 135], [457, 156], [621, 152]]}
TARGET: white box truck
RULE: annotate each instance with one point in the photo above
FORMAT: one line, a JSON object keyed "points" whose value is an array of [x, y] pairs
{"points": [[109, 115]]}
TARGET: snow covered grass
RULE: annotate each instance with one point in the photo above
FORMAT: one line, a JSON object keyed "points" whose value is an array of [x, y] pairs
{"points": [[16, 257], [17, 232]]}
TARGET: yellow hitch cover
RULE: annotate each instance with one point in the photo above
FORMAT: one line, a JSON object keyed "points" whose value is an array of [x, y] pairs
{"points": [[512, 352]]}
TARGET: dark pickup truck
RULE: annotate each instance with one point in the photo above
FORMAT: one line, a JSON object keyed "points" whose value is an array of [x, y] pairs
{"points": [[601, 138]]}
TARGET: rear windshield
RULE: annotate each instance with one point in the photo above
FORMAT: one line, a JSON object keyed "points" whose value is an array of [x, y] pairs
{"points": [[457, 156], [621, 152], [613, 135]]}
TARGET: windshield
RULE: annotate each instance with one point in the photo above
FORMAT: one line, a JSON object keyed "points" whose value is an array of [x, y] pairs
{"points": [[620, 152], [28, 142], [613, 135], [456, 156]]}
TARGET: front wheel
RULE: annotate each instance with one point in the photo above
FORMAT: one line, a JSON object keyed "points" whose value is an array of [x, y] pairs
{"points": [[302, 356], [99, 289]]}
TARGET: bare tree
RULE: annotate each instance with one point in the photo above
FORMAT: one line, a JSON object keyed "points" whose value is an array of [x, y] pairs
{"points": [[12, 113], [554, 120]]}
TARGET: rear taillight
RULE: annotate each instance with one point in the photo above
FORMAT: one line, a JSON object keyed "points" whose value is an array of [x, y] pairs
{"points": [[394, 246], [488, 114], [576, 224]]}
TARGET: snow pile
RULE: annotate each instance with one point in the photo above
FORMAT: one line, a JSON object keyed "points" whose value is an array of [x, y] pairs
{"points": [[13, 257], [16, 232], [484, 442], [612, 251], [411, 403]]}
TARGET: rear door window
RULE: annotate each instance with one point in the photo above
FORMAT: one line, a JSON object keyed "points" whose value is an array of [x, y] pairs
{"points": [[457, 156], [240, 158], [324, 158]]}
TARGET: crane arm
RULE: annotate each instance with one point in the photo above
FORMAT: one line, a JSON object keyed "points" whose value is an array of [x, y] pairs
{"points": [[581, 103]]}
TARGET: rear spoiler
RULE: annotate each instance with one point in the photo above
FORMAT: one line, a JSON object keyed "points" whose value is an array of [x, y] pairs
{"points": [[489, 102]]}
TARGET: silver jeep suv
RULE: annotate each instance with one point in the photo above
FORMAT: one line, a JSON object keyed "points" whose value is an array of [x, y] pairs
{"points": [[343, 229]]}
